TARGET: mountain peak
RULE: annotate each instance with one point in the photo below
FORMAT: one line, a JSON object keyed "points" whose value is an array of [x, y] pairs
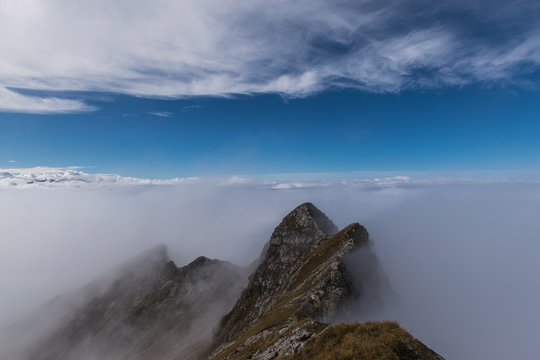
{"points": [[307, 217], [302, 230], [300, 282], [201, 261]]}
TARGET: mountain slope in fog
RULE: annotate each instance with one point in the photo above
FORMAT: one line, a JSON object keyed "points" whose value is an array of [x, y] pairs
{"points": [[302, 284], [309, 276], [149, 309]]}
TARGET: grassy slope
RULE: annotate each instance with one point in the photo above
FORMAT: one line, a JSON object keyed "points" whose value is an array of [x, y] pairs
{"points": [[288, 303], [370, 341]]}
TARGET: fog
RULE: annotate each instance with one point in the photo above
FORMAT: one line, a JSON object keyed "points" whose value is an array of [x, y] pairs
{"points": [[461, 258]]}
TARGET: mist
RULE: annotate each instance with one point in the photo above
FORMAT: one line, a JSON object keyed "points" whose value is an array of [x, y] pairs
{"points": [[461, 258]]}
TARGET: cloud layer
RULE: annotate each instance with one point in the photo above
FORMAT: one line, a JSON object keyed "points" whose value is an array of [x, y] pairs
{"points": [[75, 176], [173, 49], [460, 255]]}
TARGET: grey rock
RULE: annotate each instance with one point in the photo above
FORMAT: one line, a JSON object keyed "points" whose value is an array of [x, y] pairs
{"points": [[299, 284]]}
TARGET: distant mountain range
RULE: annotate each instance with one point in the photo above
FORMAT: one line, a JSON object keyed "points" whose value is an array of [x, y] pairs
{"points": [[286, 305]]}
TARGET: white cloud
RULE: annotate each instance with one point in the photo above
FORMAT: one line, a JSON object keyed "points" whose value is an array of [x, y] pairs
{"points": [[12, 101], [165, 114], [461, 254], [74, 177], [174, 48]]}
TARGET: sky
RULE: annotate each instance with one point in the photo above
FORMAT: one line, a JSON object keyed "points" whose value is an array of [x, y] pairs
{"points": [[200, 124], [175, 88]]}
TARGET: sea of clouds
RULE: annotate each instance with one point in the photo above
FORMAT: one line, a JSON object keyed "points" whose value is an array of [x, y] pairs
{"points": [[461, 254]]}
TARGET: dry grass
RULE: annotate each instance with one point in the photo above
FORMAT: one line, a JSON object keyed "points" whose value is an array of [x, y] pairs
{"points": [[369, 341], [320, 255]]}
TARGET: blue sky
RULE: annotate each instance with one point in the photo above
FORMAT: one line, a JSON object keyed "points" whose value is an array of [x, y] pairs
{"points": [[337, 131], [246, 88]]}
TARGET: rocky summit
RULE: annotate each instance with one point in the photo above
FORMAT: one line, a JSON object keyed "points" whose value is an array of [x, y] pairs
{"points": [[300, 282], [306, 280]]}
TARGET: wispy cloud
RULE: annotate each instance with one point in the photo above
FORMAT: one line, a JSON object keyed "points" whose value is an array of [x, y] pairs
{"points": [[166, 114], [190, 107], [185, 48], [12, 101]]}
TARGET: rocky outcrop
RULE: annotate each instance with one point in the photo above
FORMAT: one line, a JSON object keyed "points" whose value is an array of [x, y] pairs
{"points": [[303, 282], [299, 285]]}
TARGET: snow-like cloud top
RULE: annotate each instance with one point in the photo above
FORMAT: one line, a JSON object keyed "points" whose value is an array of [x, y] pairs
{"points": [[75, 177]]}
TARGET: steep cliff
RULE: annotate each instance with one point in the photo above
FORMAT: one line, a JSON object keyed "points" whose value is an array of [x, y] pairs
{"points": [[299, 286]]}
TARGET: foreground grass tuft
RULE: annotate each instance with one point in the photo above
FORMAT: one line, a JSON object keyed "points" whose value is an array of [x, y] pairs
{"points": [[369, 341]]}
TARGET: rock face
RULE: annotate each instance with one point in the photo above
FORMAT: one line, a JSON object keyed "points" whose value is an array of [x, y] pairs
{"points": [[149, 310], [304, 281], [300, 284]]}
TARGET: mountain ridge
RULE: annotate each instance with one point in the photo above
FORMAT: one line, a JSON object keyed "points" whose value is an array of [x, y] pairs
{"points": [[209, 309], [282, 293]]}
